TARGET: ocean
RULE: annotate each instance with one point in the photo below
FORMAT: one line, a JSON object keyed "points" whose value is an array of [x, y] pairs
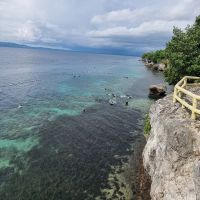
{"points": [[51, 148]]}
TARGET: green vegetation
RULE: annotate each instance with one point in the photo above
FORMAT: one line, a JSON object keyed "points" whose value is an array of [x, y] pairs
{"points": [[147, 127], [156, 57], [159, 56], [182, 52], [148, 55]]}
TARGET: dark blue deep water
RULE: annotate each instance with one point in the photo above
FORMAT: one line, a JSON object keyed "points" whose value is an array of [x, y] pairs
{"points": [[50, 149]]}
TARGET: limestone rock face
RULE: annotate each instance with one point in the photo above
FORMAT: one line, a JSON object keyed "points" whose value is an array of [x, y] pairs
{"points": [[149, 64], [171, 156], [157, 89], [155, 66], [159, 66], [162, 67]]}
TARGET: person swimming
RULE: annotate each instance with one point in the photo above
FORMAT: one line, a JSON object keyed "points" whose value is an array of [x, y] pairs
{"points": [[111, 101], [20, 106]]}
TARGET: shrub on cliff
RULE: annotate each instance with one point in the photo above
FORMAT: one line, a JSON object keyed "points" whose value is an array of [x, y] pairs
{"points": [[156, 57], [147, 127], [183, 52]]}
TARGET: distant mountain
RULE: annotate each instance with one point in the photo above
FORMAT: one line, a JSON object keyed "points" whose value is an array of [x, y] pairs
{"points": [[14, 45], [111, 51]]}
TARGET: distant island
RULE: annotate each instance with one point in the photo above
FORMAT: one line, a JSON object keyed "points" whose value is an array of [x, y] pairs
{"points": [[14, 45], [80, 49]]}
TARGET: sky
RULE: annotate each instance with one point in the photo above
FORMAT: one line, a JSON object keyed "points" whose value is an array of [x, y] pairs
{"points": [[126, 27]]}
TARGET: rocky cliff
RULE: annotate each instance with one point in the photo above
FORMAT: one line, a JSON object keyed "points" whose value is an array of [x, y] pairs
{"points": [[172, 154]]}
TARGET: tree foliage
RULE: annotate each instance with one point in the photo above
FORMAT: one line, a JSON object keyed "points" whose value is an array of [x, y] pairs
{"points": [[183, 52], [156, 57], [148, 55]]}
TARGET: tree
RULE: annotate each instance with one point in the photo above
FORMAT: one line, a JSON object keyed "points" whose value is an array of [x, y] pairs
{"points": [[148, 55], [183, 52], [158, 56]]}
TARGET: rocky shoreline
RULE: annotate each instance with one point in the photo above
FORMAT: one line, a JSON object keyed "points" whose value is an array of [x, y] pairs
{"points": [[157, 66], [171, 156]]}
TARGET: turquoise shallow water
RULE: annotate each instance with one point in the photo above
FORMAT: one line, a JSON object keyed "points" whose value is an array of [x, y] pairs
{"points": [[50, 148]]}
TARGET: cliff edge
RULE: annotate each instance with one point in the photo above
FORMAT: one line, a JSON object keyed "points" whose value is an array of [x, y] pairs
{"points": [[171, 156]]}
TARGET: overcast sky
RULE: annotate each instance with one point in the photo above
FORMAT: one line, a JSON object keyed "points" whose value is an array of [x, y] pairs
{"points": [[110, 26]]}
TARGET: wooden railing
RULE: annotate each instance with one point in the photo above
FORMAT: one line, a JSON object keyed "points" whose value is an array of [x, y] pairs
{"points": [[179, 89]]}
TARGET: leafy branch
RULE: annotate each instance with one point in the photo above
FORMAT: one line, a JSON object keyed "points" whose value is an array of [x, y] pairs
{"points": [[147, 127]]}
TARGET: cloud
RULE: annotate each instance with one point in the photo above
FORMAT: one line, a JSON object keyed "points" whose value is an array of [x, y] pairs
{"points": [[74, 24], [184, 10], [123, 15], [146, 26], [49, 40], [35, 32], [144, 29], [29, 32], [154, 33]]}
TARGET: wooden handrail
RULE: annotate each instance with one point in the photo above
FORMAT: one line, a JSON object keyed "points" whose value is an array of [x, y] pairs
{"points": [[180, 88]]}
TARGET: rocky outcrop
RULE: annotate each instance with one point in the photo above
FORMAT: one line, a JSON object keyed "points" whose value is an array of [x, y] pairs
{"points": [[145, 59], [158, 90], [171, 156], [159, 66], [149, 64]]}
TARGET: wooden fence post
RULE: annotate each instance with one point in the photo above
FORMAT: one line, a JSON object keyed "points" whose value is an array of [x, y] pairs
{"points": [[185, 83], [180, 94], [195, 102], [182, 104]]}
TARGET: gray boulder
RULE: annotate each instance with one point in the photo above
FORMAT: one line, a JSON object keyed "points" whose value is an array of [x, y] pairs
{"points": [[155, 66], [159, 66], [158, 90], [162, 67]]}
